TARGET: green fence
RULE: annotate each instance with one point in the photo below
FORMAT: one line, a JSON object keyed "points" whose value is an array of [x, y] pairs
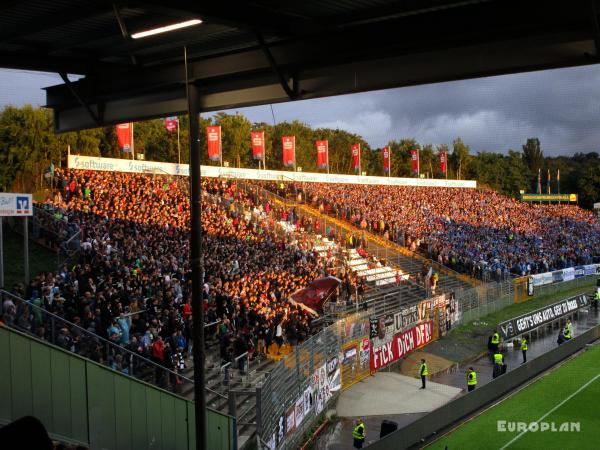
{"points": [[80, 401]]}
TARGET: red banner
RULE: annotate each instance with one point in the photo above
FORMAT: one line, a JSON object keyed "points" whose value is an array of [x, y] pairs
{"points": [[414, 155], [386, 160], [356, 157], [258, 144], [171, 124], [401, 345], [322, 154], [125, 136], [443, 161], [213, 138], [288, 143]]}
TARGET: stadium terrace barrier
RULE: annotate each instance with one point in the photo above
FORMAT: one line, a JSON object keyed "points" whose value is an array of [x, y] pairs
{"points": [[452, 412], [124, 165], [85, 403]]}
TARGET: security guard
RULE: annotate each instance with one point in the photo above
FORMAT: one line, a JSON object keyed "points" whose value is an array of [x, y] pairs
{"points": [[596, 300], [567, 332], [524, 348], [358, 434], [424, 371], [495, 342], [471, 379], [498, 362], [569, 326]]}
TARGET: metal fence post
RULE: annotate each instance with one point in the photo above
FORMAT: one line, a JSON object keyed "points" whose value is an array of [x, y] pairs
{"points": [[259, 412], [231, 403]]}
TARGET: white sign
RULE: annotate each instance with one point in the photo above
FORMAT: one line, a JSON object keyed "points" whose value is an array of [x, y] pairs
{"points": [[132, 166], [15, 205]]}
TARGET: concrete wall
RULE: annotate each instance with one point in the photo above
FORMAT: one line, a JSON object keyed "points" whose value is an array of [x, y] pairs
{"points": [[79, 401]]}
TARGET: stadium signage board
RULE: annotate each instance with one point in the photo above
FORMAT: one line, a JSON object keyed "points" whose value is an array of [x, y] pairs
{"points": [[568, 274], [15, 205], [133, 166], [549, 197], [527, 322]]}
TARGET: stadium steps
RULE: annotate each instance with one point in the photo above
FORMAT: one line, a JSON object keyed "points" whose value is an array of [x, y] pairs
{"points": [[409, 262]]}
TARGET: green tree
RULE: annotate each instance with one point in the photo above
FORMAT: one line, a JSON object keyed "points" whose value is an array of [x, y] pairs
{"points": [[460, 157]]}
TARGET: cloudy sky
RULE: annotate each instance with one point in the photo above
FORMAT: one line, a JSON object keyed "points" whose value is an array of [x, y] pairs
{"points": [[561, 107]]}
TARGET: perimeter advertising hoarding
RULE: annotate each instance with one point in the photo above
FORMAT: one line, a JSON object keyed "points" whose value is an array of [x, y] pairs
{"points": [[542, 316], [549, 197], [133, 166], [567, 274]]}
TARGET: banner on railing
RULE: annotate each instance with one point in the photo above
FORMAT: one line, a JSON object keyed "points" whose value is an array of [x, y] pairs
{"points": [[568, 274], [542, 316], [402, 345]]}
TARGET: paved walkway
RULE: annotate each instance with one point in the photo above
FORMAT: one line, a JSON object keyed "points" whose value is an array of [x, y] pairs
{"points": [[391, 393], [389, 396]]}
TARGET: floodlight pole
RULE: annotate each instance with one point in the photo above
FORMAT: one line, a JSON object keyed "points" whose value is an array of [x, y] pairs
{"points": [[197, 270]]}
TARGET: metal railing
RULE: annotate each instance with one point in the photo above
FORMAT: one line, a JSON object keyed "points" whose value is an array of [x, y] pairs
{"points": [[42, 324]]}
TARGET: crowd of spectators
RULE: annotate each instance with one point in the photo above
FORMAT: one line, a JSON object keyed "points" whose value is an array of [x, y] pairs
{"points": [[477, 231], [131, 283]]}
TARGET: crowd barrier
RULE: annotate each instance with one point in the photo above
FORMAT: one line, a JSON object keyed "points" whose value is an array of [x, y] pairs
{"points": [[81, 402]]}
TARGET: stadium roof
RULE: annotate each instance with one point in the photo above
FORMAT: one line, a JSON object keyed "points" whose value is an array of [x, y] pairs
{"points": [[266, 51]]}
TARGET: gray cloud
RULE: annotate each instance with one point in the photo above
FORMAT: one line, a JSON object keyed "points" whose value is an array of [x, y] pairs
{"points": [[561, 107]]}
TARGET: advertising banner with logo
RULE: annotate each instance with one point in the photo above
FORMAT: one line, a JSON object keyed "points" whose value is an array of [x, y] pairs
{"points": [[125, 136], [443, 161], [288, 144], [402, 345], [322, 154], [386, 160], [414, 156], [258, 144], [15, 205], [542, 316], [356, 157], [171, 124], [213, 138], [132, 166]]}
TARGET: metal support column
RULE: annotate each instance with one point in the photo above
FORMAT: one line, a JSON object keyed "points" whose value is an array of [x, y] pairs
{"points": [[193, 99], [26, 249], [1, 256]]}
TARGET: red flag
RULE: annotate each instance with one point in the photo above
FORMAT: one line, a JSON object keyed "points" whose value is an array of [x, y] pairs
{"points": [[356, 157], [288, 143], [258, 144], [414, 155], [213, 137], [171, 124], [386, 160], [322, 154], [443, 161], [125, 136]]}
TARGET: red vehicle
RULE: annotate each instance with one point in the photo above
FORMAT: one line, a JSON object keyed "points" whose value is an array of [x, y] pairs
{"points": [[317, 292]]}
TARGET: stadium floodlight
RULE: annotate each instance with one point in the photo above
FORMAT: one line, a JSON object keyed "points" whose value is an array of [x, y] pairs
{"points": [[166, 28]]}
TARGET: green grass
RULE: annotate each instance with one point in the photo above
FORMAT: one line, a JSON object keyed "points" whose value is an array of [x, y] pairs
{"points": [[40, 259], [540, 401], [485, 325]]}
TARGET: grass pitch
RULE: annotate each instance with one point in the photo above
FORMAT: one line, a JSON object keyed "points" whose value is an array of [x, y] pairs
{"points": [[566, 401]]}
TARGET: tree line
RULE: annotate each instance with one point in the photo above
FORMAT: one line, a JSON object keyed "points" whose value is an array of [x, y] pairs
{"points": [[29, 145]]}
